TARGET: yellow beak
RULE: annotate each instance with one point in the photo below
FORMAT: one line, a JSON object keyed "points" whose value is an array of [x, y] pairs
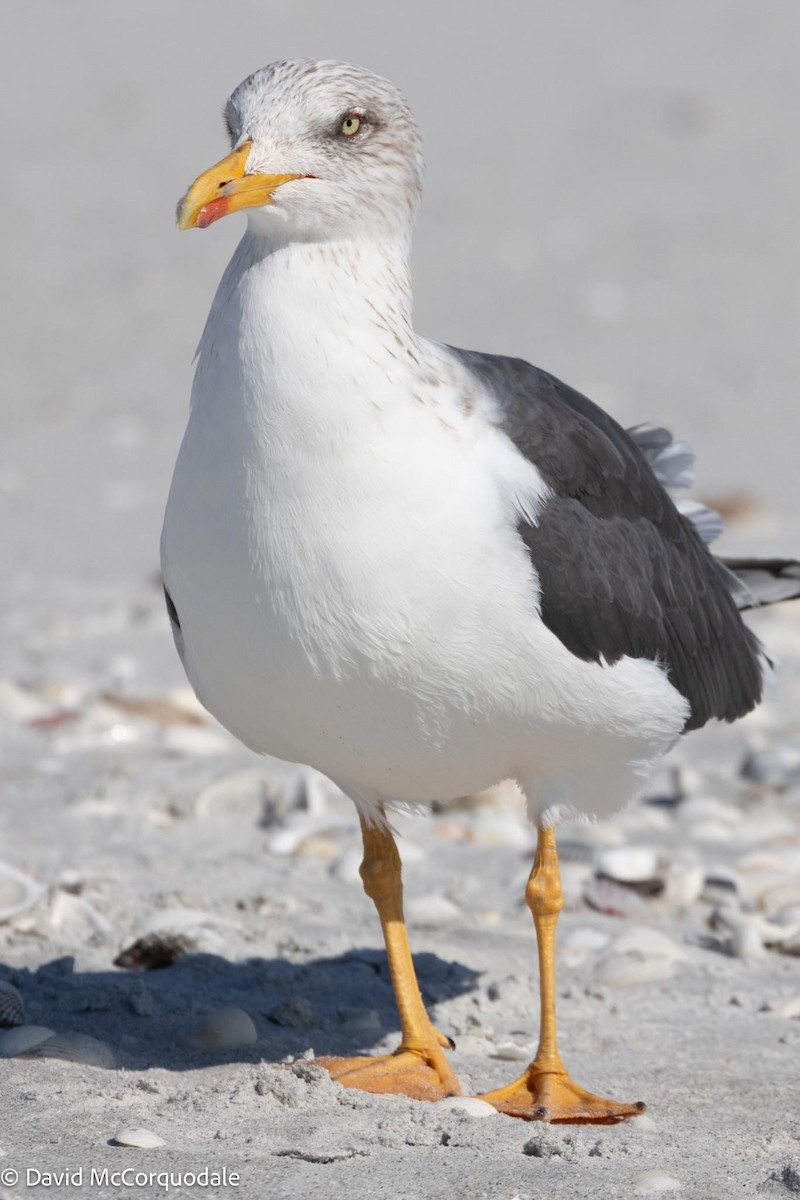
{"points": [[224, 189]]}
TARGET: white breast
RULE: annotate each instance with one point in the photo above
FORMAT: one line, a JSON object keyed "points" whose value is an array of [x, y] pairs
{"points": [[340, 546]]}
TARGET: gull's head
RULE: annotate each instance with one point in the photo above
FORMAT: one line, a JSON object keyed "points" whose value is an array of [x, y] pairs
{"points": [[320, 151]]}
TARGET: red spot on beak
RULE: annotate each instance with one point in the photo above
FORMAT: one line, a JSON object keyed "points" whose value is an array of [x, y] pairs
{"points": [[212, 212]]}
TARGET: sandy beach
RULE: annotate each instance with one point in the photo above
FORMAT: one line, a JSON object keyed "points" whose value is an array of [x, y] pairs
{"points": [[612, 192]]}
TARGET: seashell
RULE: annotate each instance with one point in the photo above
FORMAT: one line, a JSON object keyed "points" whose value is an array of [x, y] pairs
{"points": [[622, 970], [221, 1029], [12, 1006], [161, 710], [655, 1183], [470, 1105], [144, 1139], [512, 1052], [613, 899], [23, 1038], [76, 1047], [649, 943], [18, 892], [629, 864]]}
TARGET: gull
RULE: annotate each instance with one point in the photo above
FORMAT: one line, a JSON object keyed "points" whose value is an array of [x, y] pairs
{"points": [[418, 569]]}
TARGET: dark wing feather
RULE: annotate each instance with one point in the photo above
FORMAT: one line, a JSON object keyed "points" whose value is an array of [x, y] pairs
{"points": [[621, 571]]}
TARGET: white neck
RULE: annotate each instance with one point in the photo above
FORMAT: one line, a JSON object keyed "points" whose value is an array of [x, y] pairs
{"points": [[294, 325]]}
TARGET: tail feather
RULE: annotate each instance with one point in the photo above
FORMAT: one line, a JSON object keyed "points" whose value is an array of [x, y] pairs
{"points": [[751, 581], [672, 463], [763, 580]]}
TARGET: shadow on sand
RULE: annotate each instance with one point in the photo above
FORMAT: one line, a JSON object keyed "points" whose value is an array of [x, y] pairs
{"points": [[341, 1005]]}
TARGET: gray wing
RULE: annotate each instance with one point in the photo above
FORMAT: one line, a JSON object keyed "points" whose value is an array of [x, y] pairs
{"points": [[621, 570]]}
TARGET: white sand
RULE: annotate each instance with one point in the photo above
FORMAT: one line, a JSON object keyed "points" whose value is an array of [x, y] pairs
{"points": [[613, 191]]}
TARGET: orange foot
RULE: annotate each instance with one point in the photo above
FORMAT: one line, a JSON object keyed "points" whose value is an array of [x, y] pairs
{"points": [[423, 1074], [553, 1096]]}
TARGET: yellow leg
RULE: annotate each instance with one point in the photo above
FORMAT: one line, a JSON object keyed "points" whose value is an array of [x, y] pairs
{"points": [[418, 1068], [545, 1092]]}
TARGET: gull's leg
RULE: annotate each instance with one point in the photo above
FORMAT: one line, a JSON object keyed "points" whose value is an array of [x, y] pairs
{"points": [[546, 1092], [418, 1067]]}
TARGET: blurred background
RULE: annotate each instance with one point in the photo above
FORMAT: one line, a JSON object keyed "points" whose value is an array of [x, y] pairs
{"points": [[613, 192]]}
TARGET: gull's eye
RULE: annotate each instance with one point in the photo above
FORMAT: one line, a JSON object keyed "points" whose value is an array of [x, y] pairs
{"points": [[351, 124]]}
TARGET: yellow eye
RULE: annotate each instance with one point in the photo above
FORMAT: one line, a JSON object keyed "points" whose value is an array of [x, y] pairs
{"points": [[351, 125]]}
